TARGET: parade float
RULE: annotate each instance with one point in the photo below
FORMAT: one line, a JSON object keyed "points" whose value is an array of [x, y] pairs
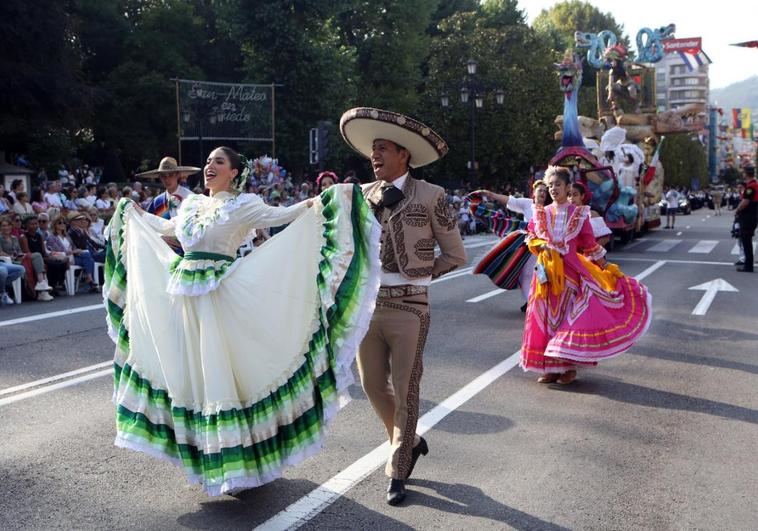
{"points": [[616, 154]]}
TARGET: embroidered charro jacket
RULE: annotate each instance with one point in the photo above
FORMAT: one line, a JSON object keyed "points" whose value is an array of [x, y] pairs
{"points": [[412, 227]]}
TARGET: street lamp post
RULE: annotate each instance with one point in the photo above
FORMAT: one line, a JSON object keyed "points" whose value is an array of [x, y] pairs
{"points": [[472, 93]]}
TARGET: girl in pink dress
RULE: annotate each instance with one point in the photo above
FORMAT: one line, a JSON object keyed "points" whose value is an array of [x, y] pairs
{"points": [[581, 309]]}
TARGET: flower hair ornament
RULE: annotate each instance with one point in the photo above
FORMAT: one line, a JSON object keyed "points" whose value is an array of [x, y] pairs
{"points": [[240, 181]]}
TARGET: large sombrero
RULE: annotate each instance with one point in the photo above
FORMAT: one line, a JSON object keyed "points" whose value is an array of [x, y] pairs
{"points": [[362, 125], [168, 165]]}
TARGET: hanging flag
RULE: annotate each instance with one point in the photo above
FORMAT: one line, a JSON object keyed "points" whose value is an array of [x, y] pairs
{"points": [[650, 172], [689, 49], [745, 117], [747, 44], [736, 120]]}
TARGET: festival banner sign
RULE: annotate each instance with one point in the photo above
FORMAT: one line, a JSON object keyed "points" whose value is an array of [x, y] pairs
{"points": [[691, 46], [225, 111]]}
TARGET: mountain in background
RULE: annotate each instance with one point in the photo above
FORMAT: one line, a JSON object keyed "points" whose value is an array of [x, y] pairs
{"points": [[737, 95]]}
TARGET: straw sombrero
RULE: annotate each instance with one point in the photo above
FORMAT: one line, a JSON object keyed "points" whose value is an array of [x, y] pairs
{"points": [[362, 125], [168, 165]]}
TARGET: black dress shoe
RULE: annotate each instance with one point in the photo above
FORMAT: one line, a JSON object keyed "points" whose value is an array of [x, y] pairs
{"points": [[420, 449], [743, 269], [739, 262], [396, 491]]}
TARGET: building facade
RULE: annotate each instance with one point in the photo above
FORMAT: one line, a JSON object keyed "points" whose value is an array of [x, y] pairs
{"points": [[676, 85]]}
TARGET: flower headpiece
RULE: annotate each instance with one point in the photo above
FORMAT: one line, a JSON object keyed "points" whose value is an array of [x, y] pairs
{"points": [[240, 181]]}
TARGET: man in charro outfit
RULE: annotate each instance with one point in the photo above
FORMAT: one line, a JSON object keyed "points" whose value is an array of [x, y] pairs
{"points": [[414, 217]]}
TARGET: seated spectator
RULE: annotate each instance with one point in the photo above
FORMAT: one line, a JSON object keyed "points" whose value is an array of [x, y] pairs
{"points": [[34, 265], [38, 201], [8, 273], [22, 205], [59, 243], [32, 242], [16, 228], [53, 197], [77, 231], [44, 225], [17, 185], [103, 202], [5, 204], [96, 226], [90, 194]]}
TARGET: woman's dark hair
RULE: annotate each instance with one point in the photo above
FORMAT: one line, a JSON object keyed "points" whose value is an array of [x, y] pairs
{"points": [[579, 187], [235, 161], [101, 191], [27, 219], [15, 184], [36, 195]]}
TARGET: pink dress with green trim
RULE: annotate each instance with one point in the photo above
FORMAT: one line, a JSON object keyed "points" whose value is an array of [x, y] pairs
{"points": [[232, 367], [585, 323]]}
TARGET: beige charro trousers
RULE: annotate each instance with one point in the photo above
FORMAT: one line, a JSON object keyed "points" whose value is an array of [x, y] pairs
{"points": [[390, 365]]}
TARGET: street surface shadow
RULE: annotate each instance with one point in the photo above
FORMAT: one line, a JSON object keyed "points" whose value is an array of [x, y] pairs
{"points": [[467, 422], [693, 359], [688, 332], [645, 396], [252, 507], [459, 498]]}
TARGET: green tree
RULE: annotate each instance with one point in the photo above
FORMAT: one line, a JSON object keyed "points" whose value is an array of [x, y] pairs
{"points": [[43, 93], [298, 46], [558, 25], [511, 138], [684, 158]]}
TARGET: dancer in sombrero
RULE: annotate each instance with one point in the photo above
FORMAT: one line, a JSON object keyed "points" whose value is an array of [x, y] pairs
{"points": [[232, 367], [581, 309]]}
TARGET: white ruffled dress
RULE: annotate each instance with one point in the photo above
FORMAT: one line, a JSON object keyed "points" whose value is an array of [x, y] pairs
{"points": [[232, 367]]}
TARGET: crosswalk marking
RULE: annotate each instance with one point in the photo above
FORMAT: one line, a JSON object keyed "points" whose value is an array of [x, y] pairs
{"points": [[704, 246], [664, 246]]}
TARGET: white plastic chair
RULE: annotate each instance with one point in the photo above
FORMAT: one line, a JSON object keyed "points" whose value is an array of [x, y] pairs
{"points": [[72, 280], [98, 276], [16, 283]]}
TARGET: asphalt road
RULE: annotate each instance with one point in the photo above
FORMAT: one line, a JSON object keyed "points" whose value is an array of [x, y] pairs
{"points": [[661, 437]]}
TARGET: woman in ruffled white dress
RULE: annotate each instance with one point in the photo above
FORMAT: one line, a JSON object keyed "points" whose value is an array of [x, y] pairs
{"points": [[232, 367]]}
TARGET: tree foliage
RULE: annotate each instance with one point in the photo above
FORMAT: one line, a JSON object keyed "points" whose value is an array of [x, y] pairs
{"points": [[684, 159], [92, 79], [558, 25]]}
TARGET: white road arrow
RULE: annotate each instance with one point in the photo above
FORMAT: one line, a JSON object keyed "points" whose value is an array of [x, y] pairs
{"points": [[710, 288]]}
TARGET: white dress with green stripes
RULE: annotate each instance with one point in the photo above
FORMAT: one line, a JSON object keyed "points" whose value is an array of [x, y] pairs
{"points": [[232, 367]]}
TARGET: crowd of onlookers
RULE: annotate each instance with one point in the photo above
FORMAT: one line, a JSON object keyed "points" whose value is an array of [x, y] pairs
{"points": [[52, 237]]}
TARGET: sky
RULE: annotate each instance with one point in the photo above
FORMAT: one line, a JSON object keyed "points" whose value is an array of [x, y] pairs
{"points": [[719, 22]]}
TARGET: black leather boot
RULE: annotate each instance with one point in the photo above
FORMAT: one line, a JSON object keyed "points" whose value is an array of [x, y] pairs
{"points": [[420, 449], [396, 491]]}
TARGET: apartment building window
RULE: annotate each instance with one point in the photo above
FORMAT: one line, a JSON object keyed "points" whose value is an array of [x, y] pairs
{"points": [[661, 77]]}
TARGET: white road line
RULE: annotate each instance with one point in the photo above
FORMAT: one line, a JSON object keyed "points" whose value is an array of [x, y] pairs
{"points": [[704, 246], [54, 387], [308, 507], [679, 233], [455, 274], [487, 295], [61, 376], [664, 246], [50, 315], [480, 244], [650, 270], [693, 262]]}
